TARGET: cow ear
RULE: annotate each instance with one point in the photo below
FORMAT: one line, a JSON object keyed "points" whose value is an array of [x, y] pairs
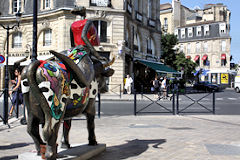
{"points": [[72, 68]]}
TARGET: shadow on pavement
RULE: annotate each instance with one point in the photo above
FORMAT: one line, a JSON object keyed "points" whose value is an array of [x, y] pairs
{"points": [[9, 157], [130, 149], [14, 145]]}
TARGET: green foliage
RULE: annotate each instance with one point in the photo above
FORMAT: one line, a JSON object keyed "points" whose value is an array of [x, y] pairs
{"points": [[167, 45], [177, 61], [185, 64]]}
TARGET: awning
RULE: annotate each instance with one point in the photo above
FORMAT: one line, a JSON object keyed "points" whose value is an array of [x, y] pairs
{"points": [[204, 57], [223, 56], [196, 58], [158, 67]]}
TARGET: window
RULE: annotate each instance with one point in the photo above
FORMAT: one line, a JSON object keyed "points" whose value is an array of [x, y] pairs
{"points": [[17, 40], [46, 4], [205, 47], [206, 30], [199, 31], [176, 32], [150, 46], [165, 21], [149, 8], [222, 28], [189, 48], [101, 27], [190, 32], [197, 59], [198, 47], [205, 60], [181, 48], [126, 39], [17, 6], [100, 3], [183, 33], [136, 44], [47, 37], [223, 46], [223, 60]]}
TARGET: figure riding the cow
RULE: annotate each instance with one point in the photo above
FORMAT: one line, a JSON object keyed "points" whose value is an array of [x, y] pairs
{"points": [[56, 90]]}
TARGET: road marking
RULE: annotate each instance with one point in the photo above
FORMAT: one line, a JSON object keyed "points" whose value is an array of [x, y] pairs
{"points": [[219, 98], [232, 98]]}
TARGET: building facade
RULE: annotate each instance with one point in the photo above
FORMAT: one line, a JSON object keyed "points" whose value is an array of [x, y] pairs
{"points": [[204, 37], [116, 21]]}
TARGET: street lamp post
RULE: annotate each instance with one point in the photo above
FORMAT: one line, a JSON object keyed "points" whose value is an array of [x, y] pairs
{"points": [[5, 111]]}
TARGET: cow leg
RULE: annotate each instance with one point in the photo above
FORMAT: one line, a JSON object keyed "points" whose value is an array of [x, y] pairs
{"points": [[33, 131], [90, 115], [50, 134], [66, 128]]}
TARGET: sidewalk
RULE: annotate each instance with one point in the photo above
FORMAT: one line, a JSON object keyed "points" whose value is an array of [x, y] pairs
{"points": [[149, 137]]}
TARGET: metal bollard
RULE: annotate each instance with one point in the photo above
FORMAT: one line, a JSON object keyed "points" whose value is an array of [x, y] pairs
{"points": [[173, 102], [120, 91], [213, 102], [135, 103], [99, 105]]}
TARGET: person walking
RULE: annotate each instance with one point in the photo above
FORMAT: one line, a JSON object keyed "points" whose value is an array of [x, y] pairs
{"points": [[164, 87], [16, 91], [128, 84], [156, 87]]}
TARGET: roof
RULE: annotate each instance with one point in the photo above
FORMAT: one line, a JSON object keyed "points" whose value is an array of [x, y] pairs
{"points": [[199, 23], [194, 16], [165, 6]]}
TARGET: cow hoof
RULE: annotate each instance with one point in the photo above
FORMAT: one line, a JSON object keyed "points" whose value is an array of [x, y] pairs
{"points": [[92, 143], [65, 145]]}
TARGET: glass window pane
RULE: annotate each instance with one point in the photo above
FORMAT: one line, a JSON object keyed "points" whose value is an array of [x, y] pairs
{"points": [[47, 37], [17, 40], [103, 36]]}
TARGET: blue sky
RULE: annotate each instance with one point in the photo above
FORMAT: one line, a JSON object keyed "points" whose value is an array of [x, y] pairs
{"points": [[233, 6]]}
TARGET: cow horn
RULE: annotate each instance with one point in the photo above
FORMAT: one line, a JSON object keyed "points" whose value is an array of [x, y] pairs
{"points": [[109, 63]]}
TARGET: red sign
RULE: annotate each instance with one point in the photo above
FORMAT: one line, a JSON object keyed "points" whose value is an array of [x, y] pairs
{"points": [[2, 59]]}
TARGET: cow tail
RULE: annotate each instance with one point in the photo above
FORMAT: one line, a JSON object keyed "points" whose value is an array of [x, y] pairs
{"points": [[35, 90]]}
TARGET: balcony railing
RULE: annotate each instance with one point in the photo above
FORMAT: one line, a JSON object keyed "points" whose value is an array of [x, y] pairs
{"points": [[99, 3], [129, 8], [149, 51], [139, 16], [151, 22]]}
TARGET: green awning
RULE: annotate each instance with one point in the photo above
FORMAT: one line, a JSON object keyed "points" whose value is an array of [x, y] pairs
{"points": [[159, 67]]}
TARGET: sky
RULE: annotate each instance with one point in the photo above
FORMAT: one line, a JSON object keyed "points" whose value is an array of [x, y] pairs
{"points": [[233, 6]]}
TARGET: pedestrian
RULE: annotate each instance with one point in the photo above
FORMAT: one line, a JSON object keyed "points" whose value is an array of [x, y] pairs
{"points": [[128, 84], [164, 87], [16, 91], [156, 87]]}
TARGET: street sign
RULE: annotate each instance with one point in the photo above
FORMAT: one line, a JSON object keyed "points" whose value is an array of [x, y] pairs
{"points": [[2, 59]]}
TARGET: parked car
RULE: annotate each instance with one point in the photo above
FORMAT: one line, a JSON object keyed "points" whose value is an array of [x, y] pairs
{"points": [[237, 84], [206, 86]]}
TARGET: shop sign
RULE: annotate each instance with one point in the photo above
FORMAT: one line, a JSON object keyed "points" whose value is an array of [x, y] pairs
{"points": [[224, 78]]}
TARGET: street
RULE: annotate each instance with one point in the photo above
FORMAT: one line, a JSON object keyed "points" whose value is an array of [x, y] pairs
{"points": [[227, 103]]}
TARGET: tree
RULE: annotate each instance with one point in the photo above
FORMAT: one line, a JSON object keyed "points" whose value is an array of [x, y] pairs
{"points": [[168, 42], [176, 60], [185, 64]]}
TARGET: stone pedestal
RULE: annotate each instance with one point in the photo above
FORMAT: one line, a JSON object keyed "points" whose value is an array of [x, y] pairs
{"points": [[76, 152]]}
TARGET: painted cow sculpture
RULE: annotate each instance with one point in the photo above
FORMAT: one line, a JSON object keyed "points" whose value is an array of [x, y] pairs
{"points": [[57, 90]]}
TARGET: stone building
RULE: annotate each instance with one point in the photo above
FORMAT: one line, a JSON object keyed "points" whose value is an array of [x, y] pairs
{"points": [[204, 37], [116, 22]]}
